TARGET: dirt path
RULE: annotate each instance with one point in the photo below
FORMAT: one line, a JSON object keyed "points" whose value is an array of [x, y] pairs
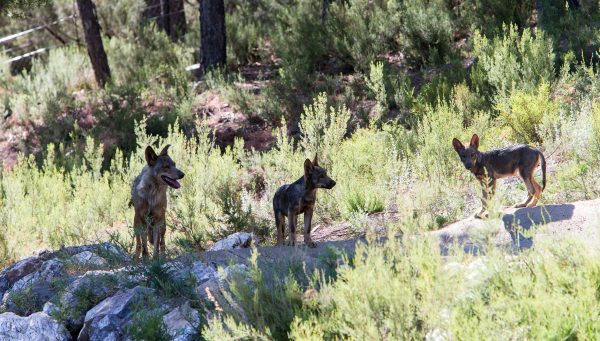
{"points": [[524, 227]]}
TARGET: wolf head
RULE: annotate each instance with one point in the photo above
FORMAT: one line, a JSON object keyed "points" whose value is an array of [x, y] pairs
{"points": [[162, 167], [315, 176], [469, 155]]}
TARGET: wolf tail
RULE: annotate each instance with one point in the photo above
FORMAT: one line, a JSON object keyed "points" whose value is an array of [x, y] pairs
{"points": [[543, 159]]}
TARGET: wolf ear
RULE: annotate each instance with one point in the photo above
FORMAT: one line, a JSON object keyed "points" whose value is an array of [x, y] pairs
{"points": [[308, 167], [151, 156], [165, 150], [474, 141], [315, 161], [458, 146]]}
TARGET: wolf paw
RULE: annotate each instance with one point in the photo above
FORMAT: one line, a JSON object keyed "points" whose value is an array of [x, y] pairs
{"points": [[520, 205]]}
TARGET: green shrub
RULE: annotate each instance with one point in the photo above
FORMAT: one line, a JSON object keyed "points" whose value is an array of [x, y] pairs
{"points": [[426, 31], [266, 305], [513, 60], [526, 112], [408, 292], [323, 128], [151, 65], [488, 16], [573, 29], [147, 325], [46, 91], [362, 30]]}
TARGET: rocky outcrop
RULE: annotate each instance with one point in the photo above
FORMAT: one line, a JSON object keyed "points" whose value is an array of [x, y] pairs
{"points": [[94, 292], [38, 327]]}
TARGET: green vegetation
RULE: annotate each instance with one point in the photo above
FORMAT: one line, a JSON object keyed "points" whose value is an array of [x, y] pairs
{"points": [[377, 90]]}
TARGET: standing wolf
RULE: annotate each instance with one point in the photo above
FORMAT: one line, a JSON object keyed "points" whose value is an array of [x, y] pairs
{"points": [[300, 197], [521, 160], [149, 198]]}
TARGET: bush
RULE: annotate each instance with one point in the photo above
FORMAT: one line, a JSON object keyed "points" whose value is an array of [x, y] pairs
{"points": [[489, 16], [513, 60], [408, 292], [267, 305], [426, 31], [46, 92], [525, 113]]}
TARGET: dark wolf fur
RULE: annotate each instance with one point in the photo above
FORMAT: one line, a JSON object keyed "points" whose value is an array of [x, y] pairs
{"points": [[299, 197], [149, 198], [520, 160]]}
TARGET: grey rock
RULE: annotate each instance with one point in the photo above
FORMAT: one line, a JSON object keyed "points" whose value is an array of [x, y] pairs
{"points": [[88, 258], [203, 273], [38, 327], [50, 308], [91, 286], [107, 320], [237, 240], [15, 272], [51, 269], [33, 289], [207, 280], [182, 323]]}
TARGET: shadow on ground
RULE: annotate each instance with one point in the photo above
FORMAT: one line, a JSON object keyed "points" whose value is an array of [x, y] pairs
{"points": [[521, 224]]}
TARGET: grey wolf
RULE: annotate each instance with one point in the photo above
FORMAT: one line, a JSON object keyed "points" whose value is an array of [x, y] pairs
{"points": [[299, 197], [520, 160], [149, 198]]}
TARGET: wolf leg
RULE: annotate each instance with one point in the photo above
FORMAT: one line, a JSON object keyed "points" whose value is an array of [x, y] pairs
{"points": [[307, 227], [292, 222], [280, 224]]}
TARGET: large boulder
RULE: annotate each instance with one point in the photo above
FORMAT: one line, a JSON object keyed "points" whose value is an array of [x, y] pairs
{"points": [[207, 279], [237, 240], [93, 286], [29, 293], [90, 259], [108, 319], [182, 323], [15, 272], [35, 327]]}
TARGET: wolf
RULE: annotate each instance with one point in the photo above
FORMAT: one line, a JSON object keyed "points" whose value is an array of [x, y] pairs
{"points": [[520, 160], [299, 197], [149, 199]]}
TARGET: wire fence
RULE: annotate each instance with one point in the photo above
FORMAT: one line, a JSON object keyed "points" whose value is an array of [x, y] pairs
{"points": [[29, 54]]}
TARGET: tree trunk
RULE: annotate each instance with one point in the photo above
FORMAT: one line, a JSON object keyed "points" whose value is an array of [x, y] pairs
{"points": [[212, 33], [163, 19], [93, 40], [177, 22]]}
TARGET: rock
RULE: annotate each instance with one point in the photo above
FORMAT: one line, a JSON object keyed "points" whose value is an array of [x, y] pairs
{"points": [[15, 272], [50, 309], [88, 258], [203, 273], [38, 327], [206, 278], [235, 271], [107, 320], [93, 286], [105, 250], [237, 240], [438, 335], [29, 293], [51, 269], [182, 323]]}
